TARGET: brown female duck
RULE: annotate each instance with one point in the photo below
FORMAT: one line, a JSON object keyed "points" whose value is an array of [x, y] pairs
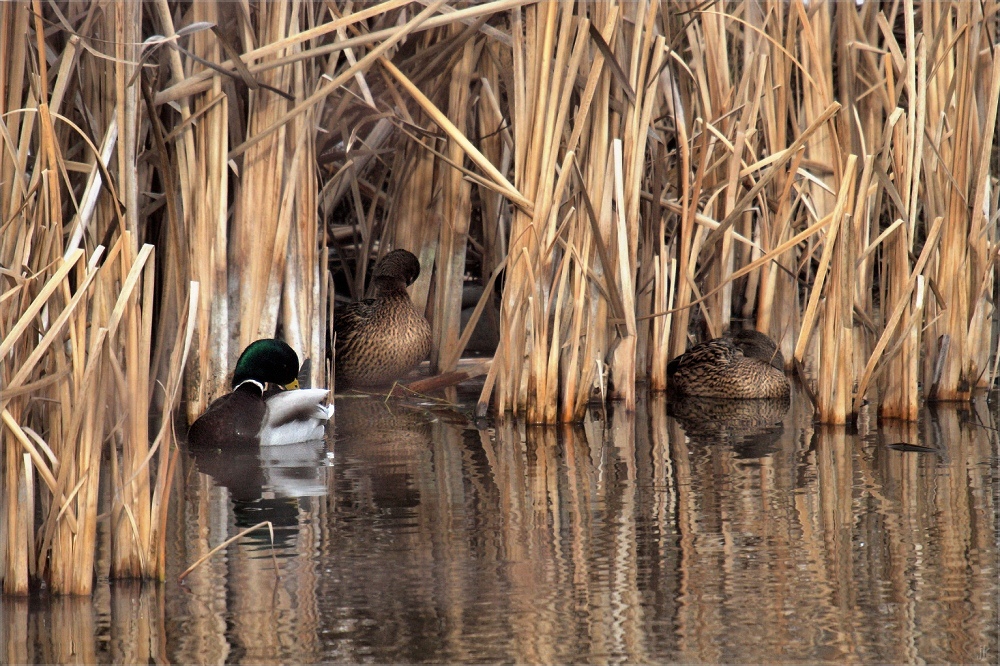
{"points": [[382, 338], [746, 365]]}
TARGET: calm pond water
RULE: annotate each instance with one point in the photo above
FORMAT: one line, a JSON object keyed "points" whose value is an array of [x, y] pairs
{"points": [[693, 532]]}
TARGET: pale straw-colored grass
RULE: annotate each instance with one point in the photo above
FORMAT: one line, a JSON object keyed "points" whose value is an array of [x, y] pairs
{"points": [[625, 179]]}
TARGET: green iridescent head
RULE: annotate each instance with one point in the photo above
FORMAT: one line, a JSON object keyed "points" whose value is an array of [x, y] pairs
{"points": [[268, 360]]}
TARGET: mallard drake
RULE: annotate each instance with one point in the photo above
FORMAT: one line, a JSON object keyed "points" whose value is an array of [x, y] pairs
{"points": [[249, 415], [747, 365], [382, 338]]}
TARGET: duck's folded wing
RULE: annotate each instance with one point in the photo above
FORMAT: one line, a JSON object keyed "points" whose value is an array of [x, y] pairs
{"points": [[295, 416], [348, 317], [712, 353], [298, 405]]}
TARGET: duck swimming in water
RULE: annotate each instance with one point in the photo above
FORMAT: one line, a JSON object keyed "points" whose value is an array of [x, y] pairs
{"points": [[746, 365], [249, 415], [382, 338]]}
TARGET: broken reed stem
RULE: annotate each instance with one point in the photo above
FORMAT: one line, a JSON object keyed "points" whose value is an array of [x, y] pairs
{"points": [[225, 544]]}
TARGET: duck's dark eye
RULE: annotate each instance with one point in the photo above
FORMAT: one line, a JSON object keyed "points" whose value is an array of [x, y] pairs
{"points": [[412, 276]]}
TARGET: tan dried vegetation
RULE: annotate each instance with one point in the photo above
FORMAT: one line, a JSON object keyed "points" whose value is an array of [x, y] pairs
{"points": [[176, 179]]}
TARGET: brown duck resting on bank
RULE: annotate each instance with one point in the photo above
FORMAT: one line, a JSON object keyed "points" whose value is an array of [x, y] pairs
{"points": [[382, 338], [746, 365]]}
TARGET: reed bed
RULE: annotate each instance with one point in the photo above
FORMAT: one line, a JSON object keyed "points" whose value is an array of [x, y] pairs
{"points": [[76, 338], [623, 179]]}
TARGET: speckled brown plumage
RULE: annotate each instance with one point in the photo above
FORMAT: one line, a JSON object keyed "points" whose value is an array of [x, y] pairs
{"points": [[382, 338], [747, 365]]}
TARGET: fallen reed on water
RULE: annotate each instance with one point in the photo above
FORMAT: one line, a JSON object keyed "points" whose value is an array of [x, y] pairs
{"points": [[621, 179]]}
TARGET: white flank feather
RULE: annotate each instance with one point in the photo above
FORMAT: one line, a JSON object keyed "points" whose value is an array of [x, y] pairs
{"points": [[295, 470], [295, 416]]}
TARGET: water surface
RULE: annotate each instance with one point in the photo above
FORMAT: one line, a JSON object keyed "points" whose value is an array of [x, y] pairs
{"points": [[695, 532]]}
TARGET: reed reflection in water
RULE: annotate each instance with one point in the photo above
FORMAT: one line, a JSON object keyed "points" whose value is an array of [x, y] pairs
{"points": [[684, 533]]}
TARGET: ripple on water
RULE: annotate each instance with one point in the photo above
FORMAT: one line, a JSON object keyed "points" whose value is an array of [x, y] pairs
{"points": [[684, 533]]}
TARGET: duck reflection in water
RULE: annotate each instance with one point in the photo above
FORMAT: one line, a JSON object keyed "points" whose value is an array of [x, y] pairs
{"points": [[266, 482], [751, 427], [383, 448]]}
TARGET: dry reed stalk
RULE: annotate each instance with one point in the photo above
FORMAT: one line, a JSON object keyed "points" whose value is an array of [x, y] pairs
{"points": [[899, 309], [546, 321], [540, 102], [689, 192], [413, 199], [577, 306], [622, 364], [37, 252], [646, 56], [497, 147], [902, 159], [454, 213], [817, 60], [324, 91], [499, 180], [201, 82], [13, 23], [127, 45], [836, 364], [76, 336], [18, 533], [713, 70], [130, 513], [259, 230], [651, 359], [645, 59], [197, 202], [898, 398], [300, 284], [594, 294], [71, 459], [954, 90], [664, 280], [983, 235], [777, 283]]}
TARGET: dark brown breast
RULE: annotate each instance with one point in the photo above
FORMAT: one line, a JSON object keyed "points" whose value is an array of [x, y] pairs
{"points": [[233, 420]]}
